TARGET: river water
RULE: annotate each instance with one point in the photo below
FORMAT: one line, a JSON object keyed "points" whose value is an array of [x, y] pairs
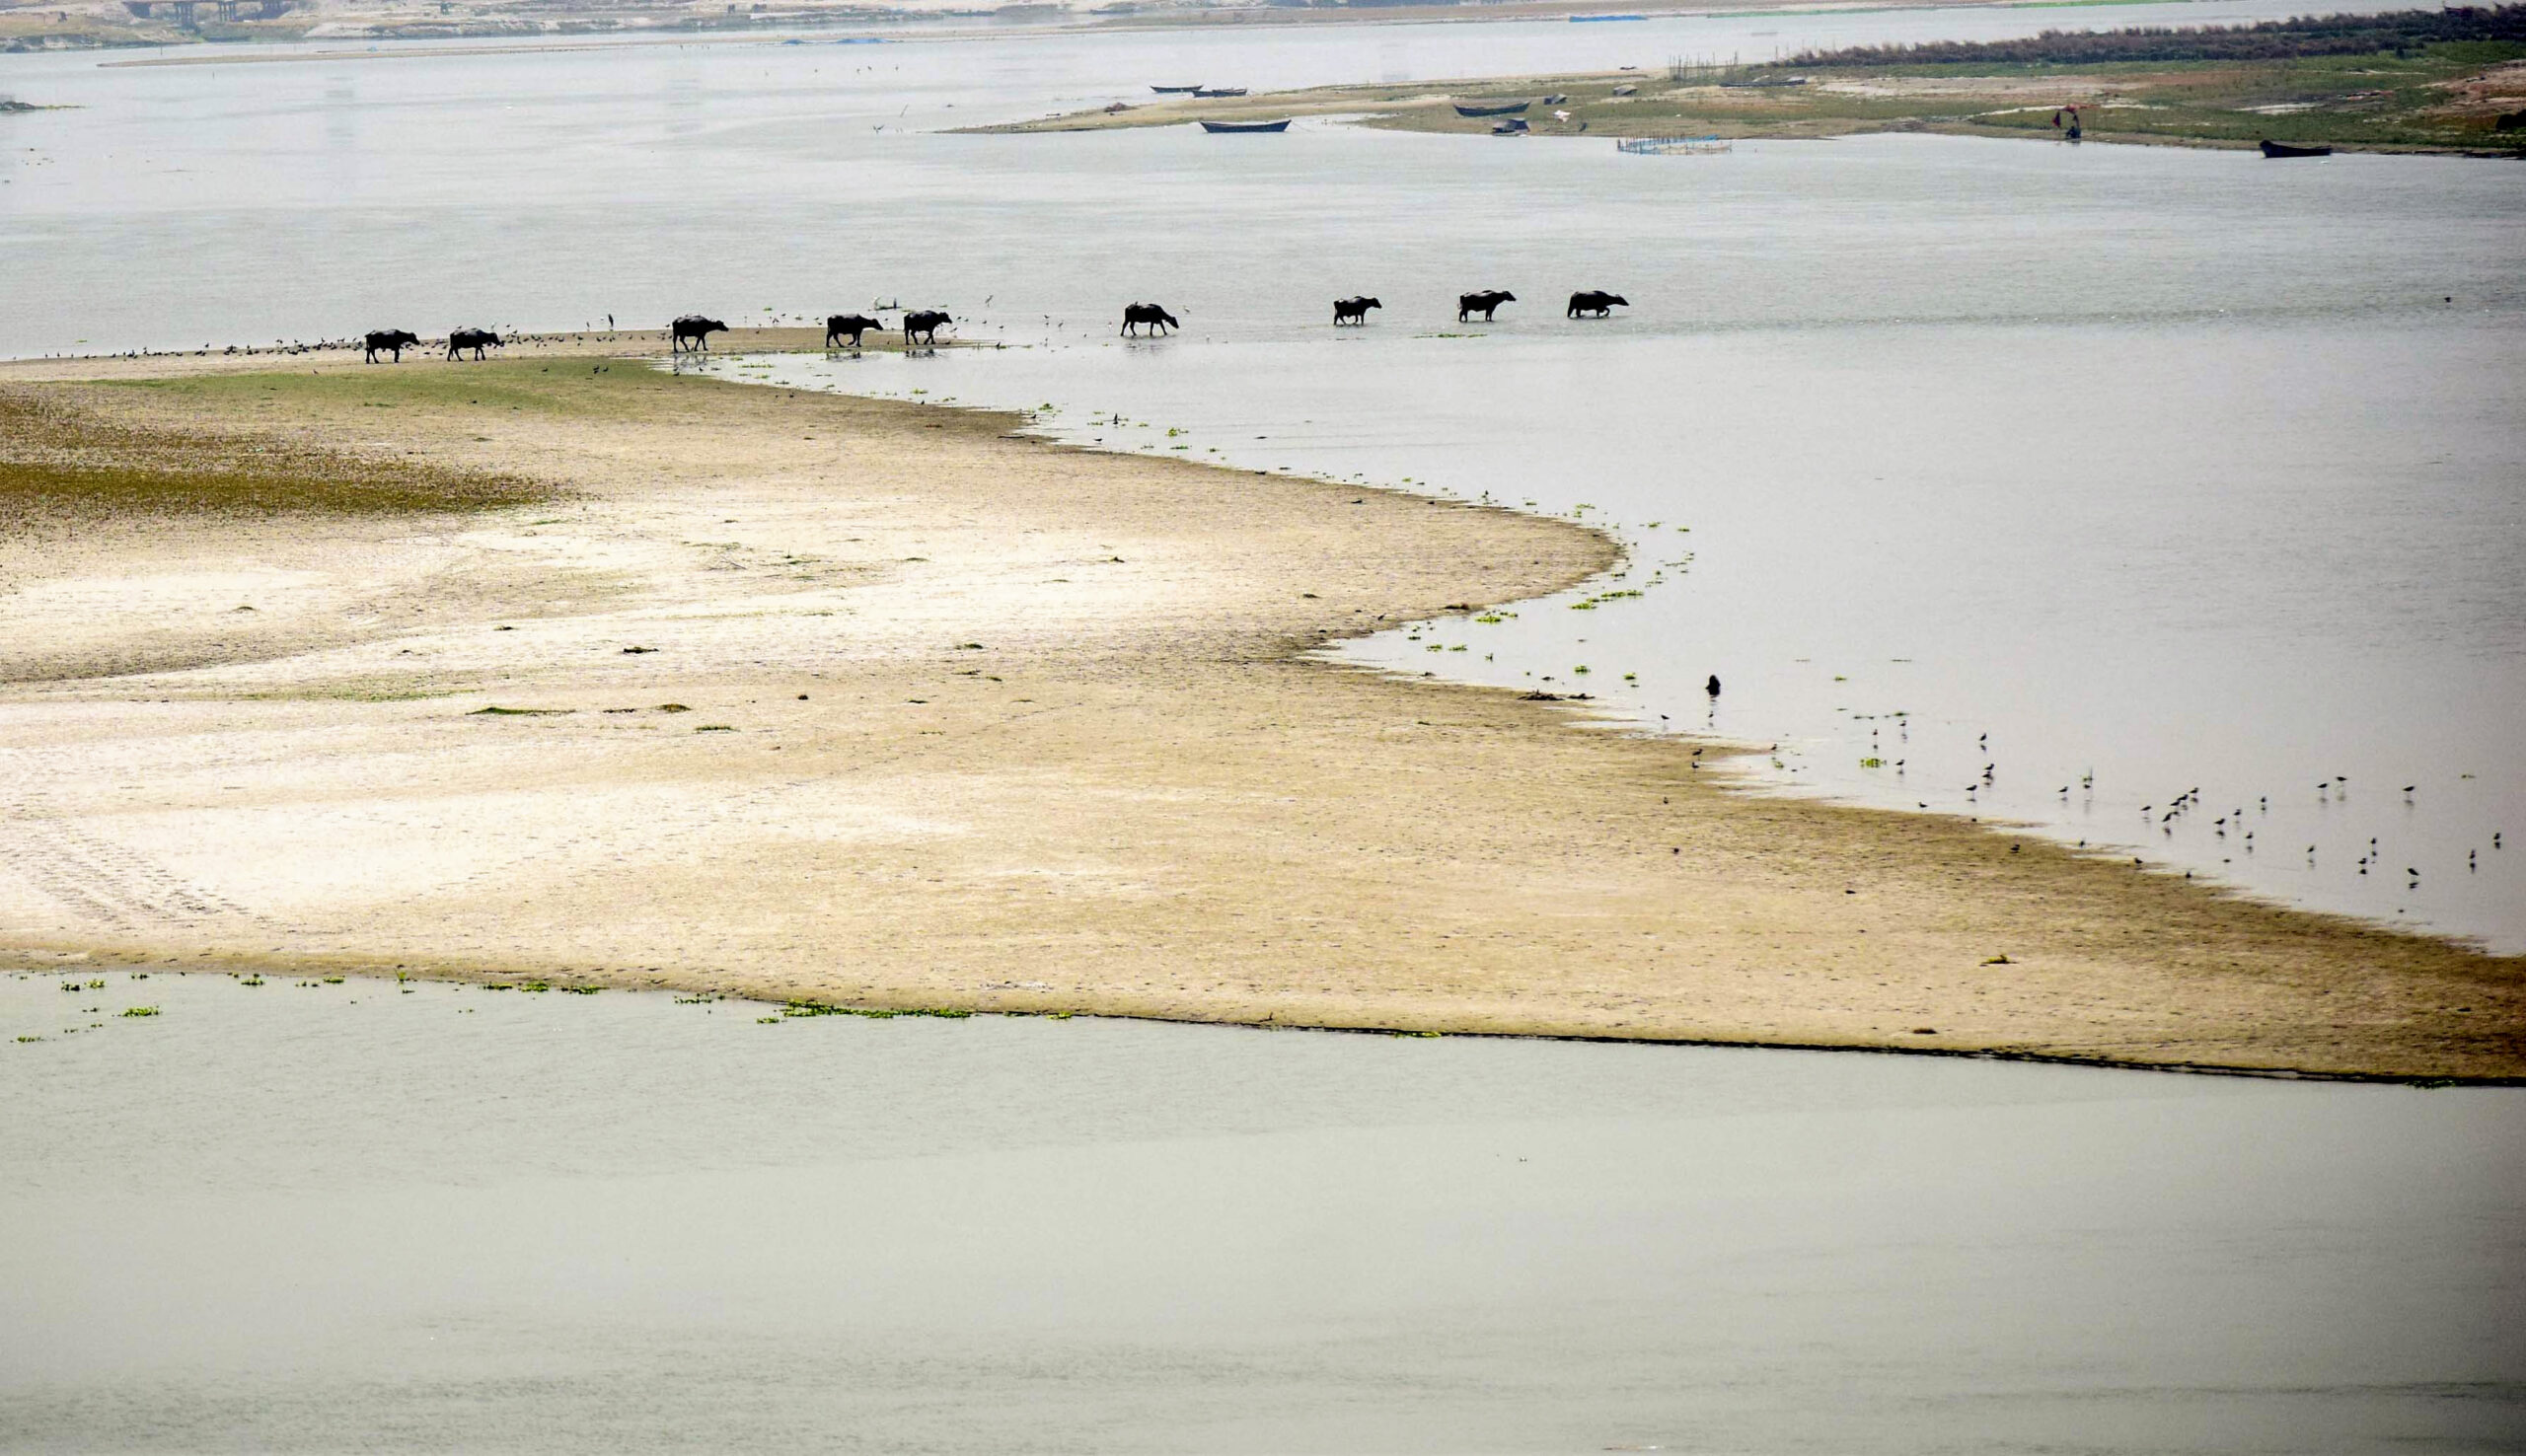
{"points": [[2009, 469], [324, 1218]]}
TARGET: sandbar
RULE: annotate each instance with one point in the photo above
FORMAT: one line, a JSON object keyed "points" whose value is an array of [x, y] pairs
{"points": [[564, 667]]}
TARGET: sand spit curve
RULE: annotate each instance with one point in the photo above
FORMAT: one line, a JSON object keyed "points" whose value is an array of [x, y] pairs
{"points": [[799, 695]]}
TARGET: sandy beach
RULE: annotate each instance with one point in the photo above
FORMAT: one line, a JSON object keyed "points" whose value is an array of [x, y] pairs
{"points": [[564, 667]]}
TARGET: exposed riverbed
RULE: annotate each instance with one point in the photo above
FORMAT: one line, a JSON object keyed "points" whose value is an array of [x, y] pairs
{"points": [[2118, 471]]}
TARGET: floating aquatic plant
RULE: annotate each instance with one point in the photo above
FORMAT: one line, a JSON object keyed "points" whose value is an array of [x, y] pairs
{"points": [[873, 1013], [140, 1010]]}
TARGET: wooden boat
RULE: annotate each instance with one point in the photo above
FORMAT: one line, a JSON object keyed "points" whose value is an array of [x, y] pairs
{"points": [[1221, 90], [1510, 110], [2277, 150], [1764, 82], [1281, 125], [1191, 90]]}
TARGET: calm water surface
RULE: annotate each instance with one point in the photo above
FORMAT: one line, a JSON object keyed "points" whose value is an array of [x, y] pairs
{"points": [[2126, 472], [348, 1217]]}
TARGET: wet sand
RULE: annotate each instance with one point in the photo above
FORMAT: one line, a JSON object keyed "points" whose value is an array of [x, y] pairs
{"points": [[810, 696]]}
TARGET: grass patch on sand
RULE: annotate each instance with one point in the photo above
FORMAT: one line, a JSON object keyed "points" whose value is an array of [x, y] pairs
{"points": [[65, 462], [556, 386]]}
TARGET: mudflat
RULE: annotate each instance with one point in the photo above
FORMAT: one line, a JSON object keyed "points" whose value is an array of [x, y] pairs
{"points": [[564, 667]]}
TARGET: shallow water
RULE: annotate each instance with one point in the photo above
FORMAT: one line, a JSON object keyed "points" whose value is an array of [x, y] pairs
{"points": [[323, 1217], [2124, 470], [2053, 533]]}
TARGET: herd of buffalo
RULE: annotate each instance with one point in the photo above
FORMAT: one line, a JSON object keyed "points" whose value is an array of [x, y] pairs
{"points": [[692, 332]]}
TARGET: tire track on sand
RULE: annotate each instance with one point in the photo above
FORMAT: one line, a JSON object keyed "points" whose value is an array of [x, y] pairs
{"points": [[92, 876]]}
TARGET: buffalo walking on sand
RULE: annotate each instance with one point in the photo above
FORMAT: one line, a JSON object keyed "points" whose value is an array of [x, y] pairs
{"points": [[1595, 304], [1352, 310], [1485, 303], [854, 325], [392, 340], [475, 340], [923, 325], [698, 329], [1157, 318]]}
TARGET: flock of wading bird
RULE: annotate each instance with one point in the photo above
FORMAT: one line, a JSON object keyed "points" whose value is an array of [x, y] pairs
{"points": [[692, 332]]}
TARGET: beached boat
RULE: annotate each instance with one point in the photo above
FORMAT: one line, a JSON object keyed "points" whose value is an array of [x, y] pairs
{"points": [[1177, 90], [1221, 90], [1509, 109], [2278, 150], [1764, 82], [1281, 125]]}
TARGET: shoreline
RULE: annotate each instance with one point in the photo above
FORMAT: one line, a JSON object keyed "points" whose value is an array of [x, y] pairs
{"points": [[1490, 823], [77, 963]]}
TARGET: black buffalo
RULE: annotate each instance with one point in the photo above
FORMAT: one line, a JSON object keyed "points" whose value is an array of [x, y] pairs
{"points": [[698, 329], [392, 340], [475, 340], [1354, 310], [854, 325], [1484, 303], [1157, 318], [924, 323], [1595, 304]]}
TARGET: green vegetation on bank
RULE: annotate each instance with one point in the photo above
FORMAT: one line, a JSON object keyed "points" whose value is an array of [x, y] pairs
{"points": [[2402, 32], [65, 460]]}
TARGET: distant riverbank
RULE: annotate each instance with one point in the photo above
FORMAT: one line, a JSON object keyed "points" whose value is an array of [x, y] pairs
{"points": [[2463, 97]]}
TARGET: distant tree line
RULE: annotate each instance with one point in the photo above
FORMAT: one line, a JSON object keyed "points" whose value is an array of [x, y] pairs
{"points": [[2402, 32]]}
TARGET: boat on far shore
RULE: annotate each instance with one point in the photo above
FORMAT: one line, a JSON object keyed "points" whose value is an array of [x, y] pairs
{"points": [[2277, 150], [1211, 91], [1281, 125], [1192, 90], [1509, 109]]}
